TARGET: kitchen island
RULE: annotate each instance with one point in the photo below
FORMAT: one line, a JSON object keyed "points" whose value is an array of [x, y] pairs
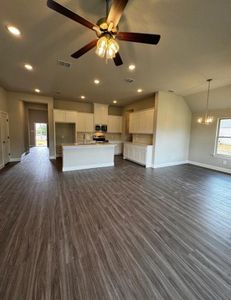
{"points": [[87, 156]]}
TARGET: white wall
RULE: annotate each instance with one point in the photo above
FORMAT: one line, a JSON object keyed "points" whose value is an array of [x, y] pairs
{"points": [[74, 105], [172, 127], [3, 100]]}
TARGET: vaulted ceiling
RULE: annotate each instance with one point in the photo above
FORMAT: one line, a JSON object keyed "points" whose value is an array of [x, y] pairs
{"points": [[195, 45]]}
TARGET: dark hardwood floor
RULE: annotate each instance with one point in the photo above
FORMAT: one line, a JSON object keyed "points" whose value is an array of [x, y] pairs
{"points": [[114, 233]]}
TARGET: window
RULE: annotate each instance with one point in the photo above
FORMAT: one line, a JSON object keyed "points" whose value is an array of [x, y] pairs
{"points": [[224, 137]]}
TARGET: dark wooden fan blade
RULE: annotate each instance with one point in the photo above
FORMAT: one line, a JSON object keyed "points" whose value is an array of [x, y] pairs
{"points": [[118, 60], [69, 14], [144, 38], [85, 49], [116, 11]]}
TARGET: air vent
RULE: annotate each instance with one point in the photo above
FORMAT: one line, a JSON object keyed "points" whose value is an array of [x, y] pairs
{"points": [[129, 80], [63, 63]]}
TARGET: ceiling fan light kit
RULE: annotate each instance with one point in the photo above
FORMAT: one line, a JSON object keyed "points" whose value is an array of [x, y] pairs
{"points": [[107, 47], [107, 31]]}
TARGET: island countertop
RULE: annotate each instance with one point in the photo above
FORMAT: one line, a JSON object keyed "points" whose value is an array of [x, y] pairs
{"points": [[87, 145], [87, 156]]}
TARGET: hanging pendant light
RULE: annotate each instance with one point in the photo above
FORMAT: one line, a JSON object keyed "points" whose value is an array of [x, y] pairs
{"points": [[207, 119]]}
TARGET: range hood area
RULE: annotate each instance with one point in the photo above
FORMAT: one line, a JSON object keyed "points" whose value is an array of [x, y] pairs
{"points": [[100, 114]]}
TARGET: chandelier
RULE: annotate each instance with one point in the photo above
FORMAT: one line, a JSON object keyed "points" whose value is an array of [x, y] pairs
{"points": [[206, 119]]}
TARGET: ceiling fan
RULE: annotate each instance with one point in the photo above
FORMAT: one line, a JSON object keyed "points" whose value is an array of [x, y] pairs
{"points": [[107, 31]]}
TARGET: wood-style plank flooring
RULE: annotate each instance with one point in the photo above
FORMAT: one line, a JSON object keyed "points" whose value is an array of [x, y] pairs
{"points": [[113, 233]]}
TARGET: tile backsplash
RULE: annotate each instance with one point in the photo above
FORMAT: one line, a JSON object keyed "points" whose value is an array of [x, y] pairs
{"points": [[80, 136], [142, 139], [114, 136], [89, 136]]}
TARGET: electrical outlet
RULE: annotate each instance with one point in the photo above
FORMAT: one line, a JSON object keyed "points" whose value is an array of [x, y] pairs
{"points": [[224, 162]]}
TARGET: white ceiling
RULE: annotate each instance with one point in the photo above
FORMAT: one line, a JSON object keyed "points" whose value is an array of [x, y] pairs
{"points": [[195, 45]]}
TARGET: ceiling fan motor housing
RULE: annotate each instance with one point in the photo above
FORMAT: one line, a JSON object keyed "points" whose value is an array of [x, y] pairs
{"points": [[104, 26]]}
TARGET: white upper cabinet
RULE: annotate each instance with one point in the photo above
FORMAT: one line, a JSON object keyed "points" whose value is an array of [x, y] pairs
{"points": [[71, 116], [89, 123], [59, 116], [65, 116], [100, 114], [114, 124], [141, 121], [85, 122]]}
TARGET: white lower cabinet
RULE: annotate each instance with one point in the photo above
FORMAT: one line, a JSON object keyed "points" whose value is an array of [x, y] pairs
{"points": [[141, 154], [118, 147]]}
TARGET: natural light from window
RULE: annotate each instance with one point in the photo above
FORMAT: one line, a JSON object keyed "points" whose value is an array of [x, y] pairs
{"points": [[224, 137], [41, 135]]}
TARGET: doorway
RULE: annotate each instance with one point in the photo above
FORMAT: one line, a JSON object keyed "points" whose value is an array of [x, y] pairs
{"points": [[4, 139], [41, 134]]}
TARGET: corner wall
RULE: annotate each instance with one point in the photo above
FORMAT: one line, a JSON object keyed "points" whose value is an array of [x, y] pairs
{"points": [[172, 130]]}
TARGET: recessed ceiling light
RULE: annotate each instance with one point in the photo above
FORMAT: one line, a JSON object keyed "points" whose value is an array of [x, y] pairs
{"points": [[13, 30], [139, 90], [28, 67], [83, 97], [132, 67], [114, 101], [37, 91], [96, 81]]}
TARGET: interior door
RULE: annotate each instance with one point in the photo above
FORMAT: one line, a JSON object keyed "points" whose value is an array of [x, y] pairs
{"points": [[5, 140], [1, 145]]}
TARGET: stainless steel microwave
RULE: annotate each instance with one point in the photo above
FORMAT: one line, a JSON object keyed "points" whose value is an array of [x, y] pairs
{"points": [[101, 128]]}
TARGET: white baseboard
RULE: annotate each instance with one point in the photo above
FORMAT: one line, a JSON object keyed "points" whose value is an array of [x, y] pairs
{"points": [[215, 168], [65, 169], [15, 159], [176, 163], [23, 155], [1, 166]]}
